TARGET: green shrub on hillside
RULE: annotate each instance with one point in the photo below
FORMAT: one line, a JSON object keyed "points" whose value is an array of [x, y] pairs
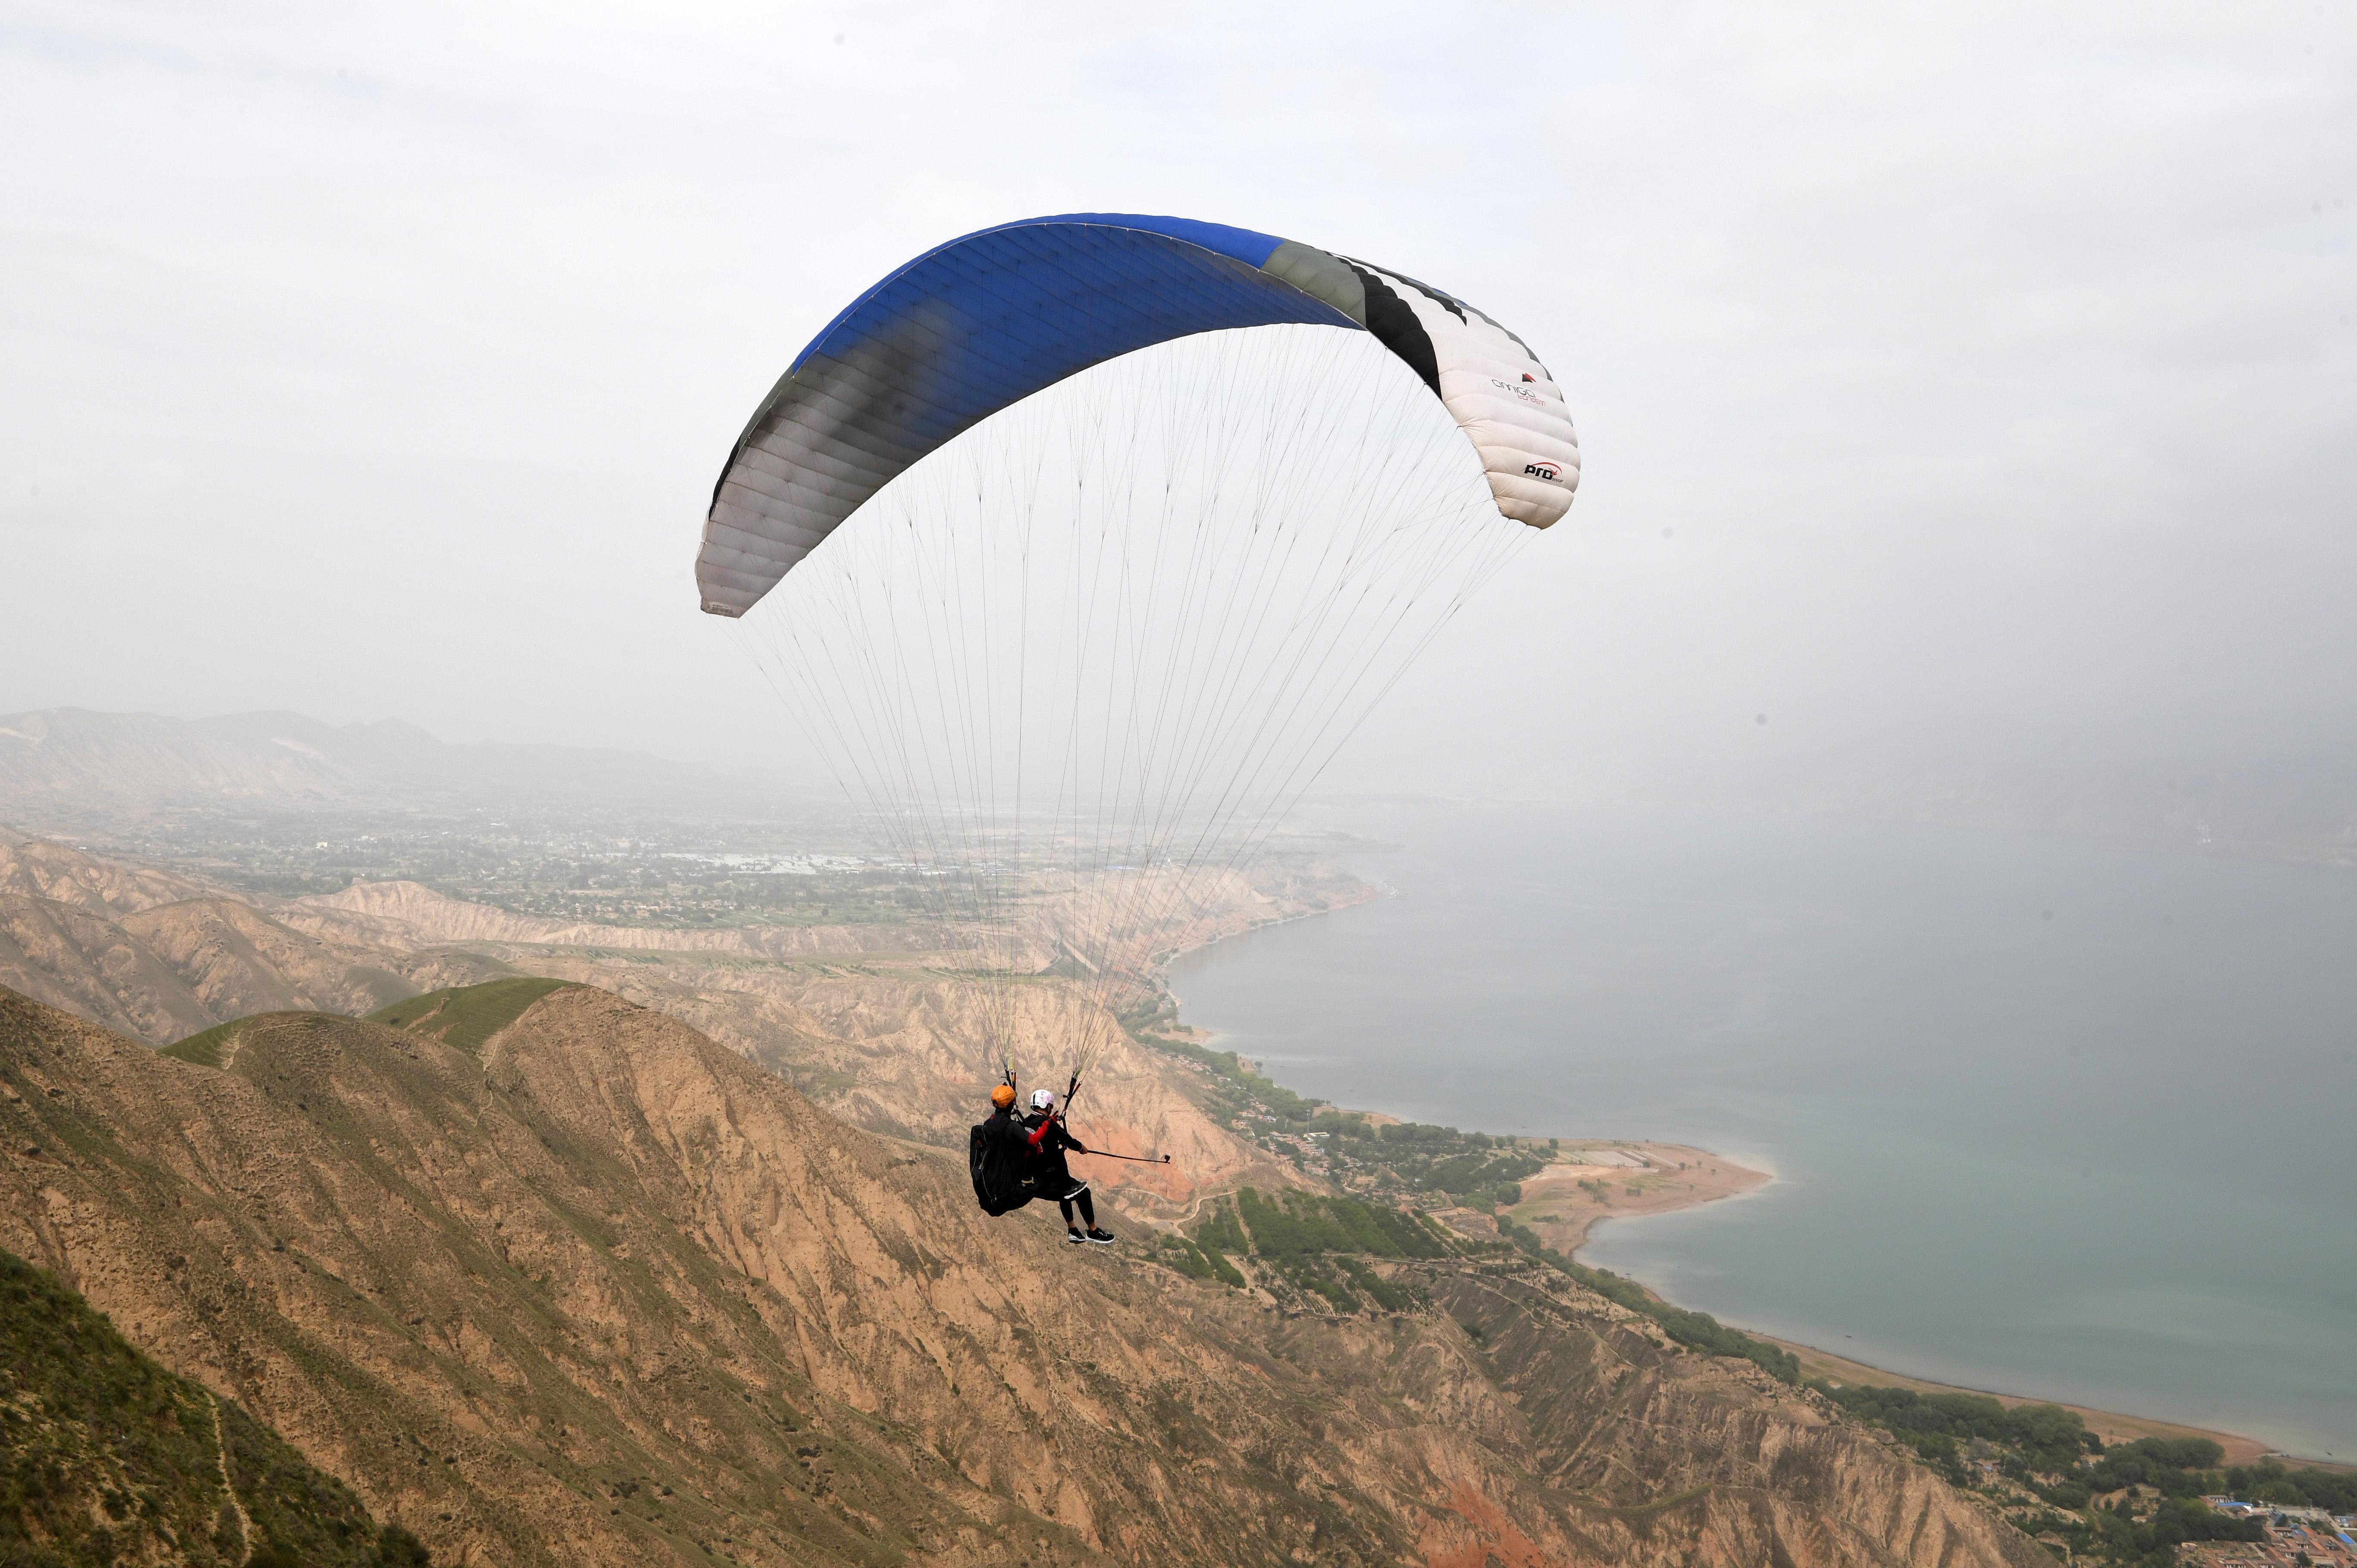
{"points": [[465, 1017], [1316, 1280], [1306, 1239], [1271, 1095], [1200, 1262], [105, 1457], [205, 1046], [2047, 1438], [1381, 1292], [2049, 1451], [1220, 1230], [1295, 1224]]}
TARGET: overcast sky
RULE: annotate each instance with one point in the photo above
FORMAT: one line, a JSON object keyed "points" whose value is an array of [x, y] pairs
{"points": [[378, 360]]}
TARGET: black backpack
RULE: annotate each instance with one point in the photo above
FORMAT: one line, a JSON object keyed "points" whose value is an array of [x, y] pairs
{"points": [[995, 1186]]}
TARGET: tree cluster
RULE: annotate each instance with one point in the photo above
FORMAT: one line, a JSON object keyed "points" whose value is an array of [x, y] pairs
{"points": [[1317, 1244], [2268, 1481], [2049, 1451], [1475, 1168], [2042, 1438]]}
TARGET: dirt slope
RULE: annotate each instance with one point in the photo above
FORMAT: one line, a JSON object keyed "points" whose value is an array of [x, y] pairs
{"points": [[605, 1293], [894, 1053]]}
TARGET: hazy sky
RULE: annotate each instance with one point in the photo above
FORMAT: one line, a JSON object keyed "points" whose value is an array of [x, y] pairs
{"points": [[378, 361]]}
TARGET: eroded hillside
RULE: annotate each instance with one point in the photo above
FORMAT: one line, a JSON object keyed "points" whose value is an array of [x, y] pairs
{"points": [[161, 956], [601, 1291], [874, 1022]]}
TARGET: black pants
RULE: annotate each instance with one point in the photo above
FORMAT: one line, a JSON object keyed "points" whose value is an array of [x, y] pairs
{"points": [[1088, 1210]]}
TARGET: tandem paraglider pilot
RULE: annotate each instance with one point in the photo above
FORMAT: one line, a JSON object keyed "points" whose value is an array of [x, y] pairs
{"points": [[1018, 1158], [998, 1148]]}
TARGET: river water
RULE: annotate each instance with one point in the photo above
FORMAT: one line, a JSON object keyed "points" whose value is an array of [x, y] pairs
{"points": [[2046, 1117]]}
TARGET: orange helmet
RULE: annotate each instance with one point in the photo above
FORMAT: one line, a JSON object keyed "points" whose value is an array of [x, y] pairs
{"points": [[1002, 1096]]}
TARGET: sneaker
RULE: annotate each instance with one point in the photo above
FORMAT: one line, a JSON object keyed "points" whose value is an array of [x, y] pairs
{"points": [[1101, 1238], [1075, 1237]]}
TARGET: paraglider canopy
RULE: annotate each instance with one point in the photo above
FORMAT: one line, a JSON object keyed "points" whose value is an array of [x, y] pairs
{"points": [[1093, 539], [985, 321]]}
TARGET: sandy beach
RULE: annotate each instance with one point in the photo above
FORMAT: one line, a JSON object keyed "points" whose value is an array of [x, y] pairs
{"points": [[1597, 1179]]}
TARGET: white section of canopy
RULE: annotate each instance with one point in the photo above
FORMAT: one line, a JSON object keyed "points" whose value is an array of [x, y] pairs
{"points": [[1507, 404]]}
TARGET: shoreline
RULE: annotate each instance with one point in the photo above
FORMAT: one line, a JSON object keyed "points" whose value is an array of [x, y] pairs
{"points": [[1594, 1179], [2112, 1426], [1598, 1178], [1660, 1189]]}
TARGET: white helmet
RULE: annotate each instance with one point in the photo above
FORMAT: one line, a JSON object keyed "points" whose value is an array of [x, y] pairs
{"points": [[1043, 1100]]}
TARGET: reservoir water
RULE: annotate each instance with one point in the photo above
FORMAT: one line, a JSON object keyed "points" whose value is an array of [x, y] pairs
{"points": [[2046, 1117]]}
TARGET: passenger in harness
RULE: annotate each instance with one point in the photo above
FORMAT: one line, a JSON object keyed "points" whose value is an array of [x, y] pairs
{"points": [[1047, 1138]]}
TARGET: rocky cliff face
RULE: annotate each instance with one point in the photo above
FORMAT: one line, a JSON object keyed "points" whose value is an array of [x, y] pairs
{"points": [[603, 1291]]}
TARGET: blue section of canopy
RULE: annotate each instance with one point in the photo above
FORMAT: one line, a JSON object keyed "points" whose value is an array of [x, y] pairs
{"points": [[1239, 244], [1246, 246], [987, 320], [956, 335]]}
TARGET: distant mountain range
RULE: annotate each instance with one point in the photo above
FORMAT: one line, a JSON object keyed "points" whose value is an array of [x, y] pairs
{"points": [[2266, 786], [63, 764]]}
